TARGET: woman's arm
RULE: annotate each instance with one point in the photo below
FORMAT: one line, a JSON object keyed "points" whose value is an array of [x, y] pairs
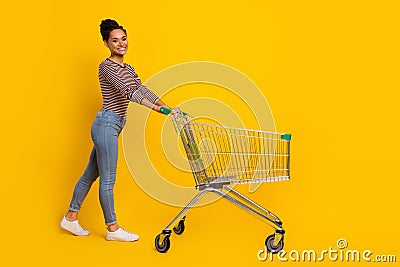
{"points": [[154, 106], [160, 103], [112, 75], [151, 100], [138, 92]]}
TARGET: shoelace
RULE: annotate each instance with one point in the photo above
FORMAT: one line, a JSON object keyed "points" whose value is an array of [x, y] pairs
{"points": [[125, 232]]}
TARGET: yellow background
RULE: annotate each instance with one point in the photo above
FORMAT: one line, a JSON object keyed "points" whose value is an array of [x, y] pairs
{"points": [[329, 70]]}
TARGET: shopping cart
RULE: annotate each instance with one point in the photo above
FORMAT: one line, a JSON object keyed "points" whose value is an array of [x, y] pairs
{"points": [[221, 156]]}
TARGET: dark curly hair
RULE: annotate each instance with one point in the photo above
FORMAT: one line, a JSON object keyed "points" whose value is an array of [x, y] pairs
{"points": [[107, 26]]}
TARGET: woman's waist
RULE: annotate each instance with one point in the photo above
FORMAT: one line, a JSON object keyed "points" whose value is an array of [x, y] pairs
{"points": [[111, 116]]}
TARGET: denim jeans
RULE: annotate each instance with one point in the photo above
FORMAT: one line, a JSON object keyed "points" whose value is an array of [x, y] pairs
{"points": [[103, 161]]}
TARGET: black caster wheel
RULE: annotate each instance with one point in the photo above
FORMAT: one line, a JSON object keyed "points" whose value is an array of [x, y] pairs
{"points": [[164, 246], [269, 244], [180, 227]]}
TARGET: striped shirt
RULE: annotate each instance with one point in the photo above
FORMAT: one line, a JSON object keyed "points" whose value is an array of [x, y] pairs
{"points": [[120, 85]]}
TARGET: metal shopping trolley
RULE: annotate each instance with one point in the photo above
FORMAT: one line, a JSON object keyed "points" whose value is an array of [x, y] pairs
{"points": [[221, 156]]}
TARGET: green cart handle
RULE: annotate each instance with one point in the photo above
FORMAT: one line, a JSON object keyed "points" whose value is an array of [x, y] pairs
{"points": [[167, 111]]}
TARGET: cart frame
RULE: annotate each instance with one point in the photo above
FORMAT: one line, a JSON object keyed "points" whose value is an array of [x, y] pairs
{"points": [[218, 160]]}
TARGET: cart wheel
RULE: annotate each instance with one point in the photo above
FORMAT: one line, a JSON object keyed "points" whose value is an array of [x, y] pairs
{"points": [[180, 227], [269, 244], [164, 246]]}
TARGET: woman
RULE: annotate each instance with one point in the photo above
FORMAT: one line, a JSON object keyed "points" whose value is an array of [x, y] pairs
{"points": [[119, 85]]}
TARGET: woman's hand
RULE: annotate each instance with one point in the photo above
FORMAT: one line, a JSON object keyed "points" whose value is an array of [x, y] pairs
{"points": [[157, 108]]}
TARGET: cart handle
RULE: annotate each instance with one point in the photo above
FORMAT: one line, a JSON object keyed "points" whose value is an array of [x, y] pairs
{"points": [[167, 111]]}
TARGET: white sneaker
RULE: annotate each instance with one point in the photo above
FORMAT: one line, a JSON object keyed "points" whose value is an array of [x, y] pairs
{"points": [[73, 227], [121, 235]]}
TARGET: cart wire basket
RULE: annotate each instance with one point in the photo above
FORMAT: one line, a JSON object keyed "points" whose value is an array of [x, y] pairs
{"points": [[221, 156]]}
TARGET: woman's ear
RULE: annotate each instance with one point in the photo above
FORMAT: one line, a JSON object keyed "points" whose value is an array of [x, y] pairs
{"points": [[106, 44]]}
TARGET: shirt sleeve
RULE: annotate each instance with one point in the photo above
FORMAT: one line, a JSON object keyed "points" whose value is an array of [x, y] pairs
{"points": [[131, 92], [152, 97], [148, 94]]}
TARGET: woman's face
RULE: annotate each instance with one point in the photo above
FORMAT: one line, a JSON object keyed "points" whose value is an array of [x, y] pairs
{"points": [[117, 42]]}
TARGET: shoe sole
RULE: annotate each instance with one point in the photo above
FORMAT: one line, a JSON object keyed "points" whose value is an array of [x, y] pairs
{"points": [[114, 239]]}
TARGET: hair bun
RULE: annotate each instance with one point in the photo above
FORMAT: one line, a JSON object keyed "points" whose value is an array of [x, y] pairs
{"points": [[108, 25]]}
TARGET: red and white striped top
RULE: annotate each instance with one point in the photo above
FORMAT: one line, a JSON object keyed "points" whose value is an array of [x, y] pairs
{"points": [[120, 85]]}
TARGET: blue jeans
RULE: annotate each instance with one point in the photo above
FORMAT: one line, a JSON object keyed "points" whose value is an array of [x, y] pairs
{"points": [[103, 161]]}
